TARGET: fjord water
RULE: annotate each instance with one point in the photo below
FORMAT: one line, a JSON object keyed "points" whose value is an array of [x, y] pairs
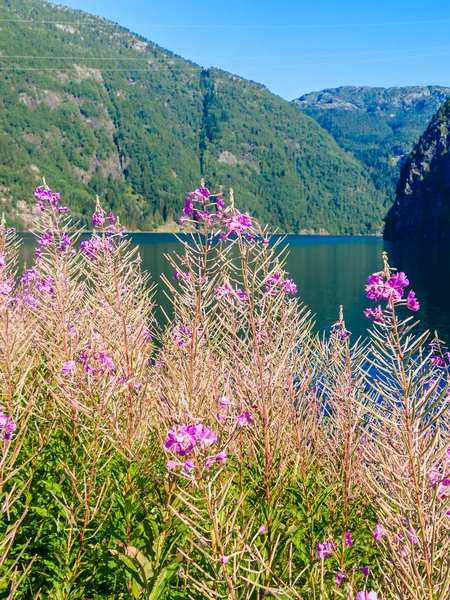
{"points": [[330, 271]]}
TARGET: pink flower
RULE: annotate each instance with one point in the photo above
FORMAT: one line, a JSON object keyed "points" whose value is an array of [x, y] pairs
{"points": [[367, 596], [348, 539], [69, 368], [378, 532], [262, 529], [244, 419], [324, 550], [224, 559], [412, 302], [188, 466], [171, 464], [289, 286]]}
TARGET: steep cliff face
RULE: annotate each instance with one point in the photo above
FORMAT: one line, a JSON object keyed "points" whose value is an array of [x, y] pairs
{"points": [[422, 205], [380, 126]]}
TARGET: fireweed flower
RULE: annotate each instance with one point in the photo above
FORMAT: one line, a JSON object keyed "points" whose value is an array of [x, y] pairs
{"points": [[238, 223], [2, 262], [378, 532], [69, 368], [244, 419], [348, 539], [339, 577], [188, 466], [365, 571], [412, 302], [271, 282], [324, 550], [45, 240], [262, 530], [375, 313], [437, 361], [289, 286], [224, 559], [98, 219], [367, 596], [7, 425]]}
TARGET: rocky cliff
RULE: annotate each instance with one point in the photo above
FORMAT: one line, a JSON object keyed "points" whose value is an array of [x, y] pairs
{"points": [[380, 126], [422, 205]]}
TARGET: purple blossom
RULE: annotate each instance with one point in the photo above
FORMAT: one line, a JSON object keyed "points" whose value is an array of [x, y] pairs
{"points": [[221, 457], [437, 361], [45, 240], [205, 217], [348, 539], [38, 254], [69, 368], [2, 262], [289, 287], [238, 223], [28, 276], [375, 313], [171, 464], [412, 302], [271, 282], [220, 203], [244, 419], [222, 291], [7, 424], [241, 295], [65, 243], [365, 571], [181, 442], [188, 466], [378, 532], [224, 559], [262, 530], [375, 287], [339, 577], [188, 207], [343, 334], [98, 219], [112, 218], [324, 550], [367, 596], [183, 220]]}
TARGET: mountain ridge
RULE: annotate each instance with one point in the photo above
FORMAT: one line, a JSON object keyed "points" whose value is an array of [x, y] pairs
{"points": [[100, 110], [379, 126]]}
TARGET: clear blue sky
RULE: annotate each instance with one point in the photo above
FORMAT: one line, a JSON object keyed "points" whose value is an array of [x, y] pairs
{"points": [[294, 47]]}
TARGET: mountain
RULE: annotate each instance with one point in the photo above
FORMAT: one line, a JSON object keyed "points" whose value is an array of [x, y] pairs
{"points": [[98, 110], [378, 125], [422, 205]]}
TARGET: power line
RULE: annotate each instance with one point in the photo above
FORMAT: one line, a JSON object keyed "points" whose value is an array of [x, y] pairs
{"points": [[217, 26], [147, 58], [168, 68]]}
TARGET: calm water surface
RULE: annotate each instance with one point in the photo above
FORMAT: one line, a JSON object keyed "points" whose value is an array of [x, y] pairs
{"points": [[330, 271]]}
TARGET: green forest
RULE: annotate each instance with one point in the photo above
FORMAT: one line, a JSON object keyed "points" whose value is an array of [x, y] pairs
{"points": [[97, 110], [379, 126]]}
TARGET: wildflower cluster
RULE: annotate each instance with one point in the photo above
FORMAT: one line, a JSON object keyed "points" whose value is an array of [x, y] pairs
{"points": [[7, 425], [185, 440], [48, 199], [388, 286]]}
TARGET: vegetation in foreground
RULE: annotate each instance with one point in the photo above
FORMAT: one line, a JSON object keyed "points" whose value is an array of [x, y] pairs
{"points": [[227, 453]]}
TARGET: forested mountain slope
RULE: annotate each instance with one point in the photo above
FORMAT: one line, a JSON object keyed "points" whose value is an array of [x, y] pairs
{"points": [[380, 126], [98, 110], [422, 206]]}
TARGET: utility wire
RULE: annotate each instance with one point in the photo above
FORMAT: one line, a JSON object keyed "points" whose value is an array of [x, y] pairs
{"points": [[168, 68], [215, 26], [145, 58]]}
